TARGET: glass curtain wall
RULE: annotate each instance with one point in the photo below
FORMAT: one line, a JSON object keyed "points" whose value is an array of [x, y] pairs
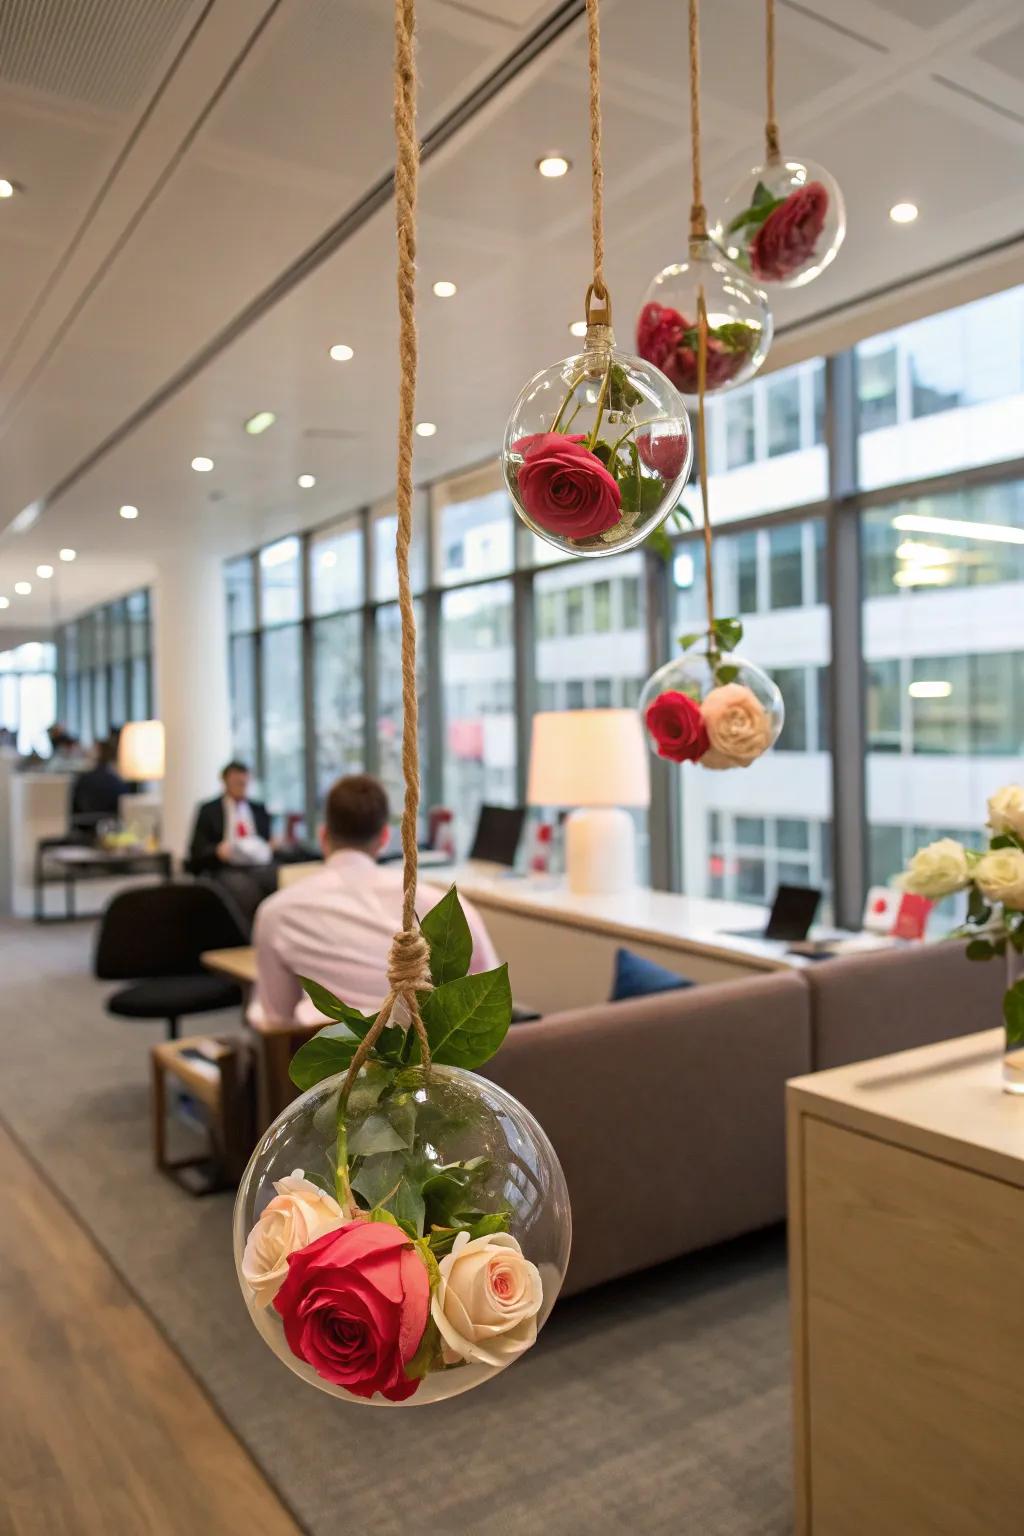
{"points": [[508, 627], [104, 668], [28, 695]]}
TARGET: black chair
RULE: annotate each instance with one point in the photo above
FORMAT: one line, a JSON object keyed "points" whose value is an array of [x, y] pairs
{"points": [[158, 932]]}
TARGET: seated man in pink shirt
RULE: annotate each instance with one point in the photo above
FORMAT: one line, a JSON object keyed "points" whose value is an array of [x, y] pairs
{"points": [[336, 925]]}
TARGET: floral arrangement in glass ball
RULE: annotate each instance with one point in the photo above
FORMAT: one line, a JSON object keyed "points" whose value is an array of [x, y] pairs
{"points": [[401, 1238], [739, 322], [712, 707], [783, 223], [597, 450]]}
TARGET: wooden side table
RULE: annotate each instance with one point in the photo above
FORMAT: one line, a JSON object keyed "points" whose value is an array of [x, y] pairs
{"points": [[216, 1074], [906, 1204]]}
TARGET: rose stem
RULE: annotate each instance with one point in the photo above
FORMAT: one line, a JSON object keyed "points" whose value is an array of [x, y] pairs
{"points": [[602, 397], [568, 396], [342, 1187], [634, 428]]}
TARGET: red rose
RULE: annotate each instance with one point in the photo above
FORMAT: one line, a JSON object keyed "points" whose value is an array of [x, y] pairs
{"points": [[677, 725], [667, 339], [663, 451], [354, 1307], [564, 487], [786, 240]]}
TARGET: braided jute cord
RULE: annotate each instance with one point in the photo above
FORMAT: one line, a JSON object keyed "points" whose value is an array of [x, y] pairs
{"points": [[409, 959], [702, 450], [771, 126], [597, 293], [698, 214]]}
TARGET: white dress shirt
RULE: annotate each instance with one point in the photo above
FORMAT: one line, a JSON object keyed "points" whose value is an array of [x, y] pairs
{"points": [[336, 927], [247, 847]]}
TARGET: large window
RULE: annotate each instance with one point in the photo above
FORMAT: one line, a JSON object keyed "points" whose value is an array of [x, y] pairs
{"points": [[104, 668], [28, 695], [508, 625]]}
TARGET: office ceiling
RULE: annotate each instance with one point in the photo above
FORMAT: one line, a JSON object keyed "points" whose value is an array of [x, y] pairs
{"points": [[181, 162]]}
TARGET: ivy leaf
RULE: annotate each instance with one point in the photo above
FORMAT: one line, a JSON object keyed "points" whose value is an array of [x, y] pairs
{"points": [[1013, 1013], [451, 944], [329, 1051], [728, 633], [333, 1008], [466, 1020]]}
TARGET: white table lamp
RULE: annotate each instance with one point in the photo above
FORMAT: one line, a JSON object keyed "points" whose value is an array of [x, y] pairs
{"points": [[140, 752], [594, 761]]}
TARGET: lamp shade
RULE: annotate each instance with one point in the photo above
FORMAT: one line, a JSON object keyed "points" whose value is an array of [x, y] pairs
{"points": [[140, 751], [582, 757]]}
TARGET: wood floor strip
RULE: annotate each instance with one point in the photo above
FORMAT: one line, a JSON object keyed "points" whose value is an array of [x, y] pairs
{"points": [[103, 1430]]}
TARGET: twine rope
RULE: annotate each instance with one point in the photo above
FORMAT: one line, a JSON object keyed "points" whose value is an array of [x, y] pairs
{"points": [[598, 289], [409, 957], [698, 213], [771, 126], [702, 452]]}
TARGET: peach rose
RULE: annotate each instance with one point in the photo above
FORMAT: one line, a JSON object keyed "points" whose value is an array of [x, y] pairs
{"points": [[486, 1302], [298, 1214], [738, 725]]}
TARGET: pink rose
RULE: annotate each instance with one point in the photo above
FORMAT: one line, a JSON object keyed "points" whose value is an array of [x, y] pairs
{"points": [[667, 339], [738, 725], [677, 726], [354, 1307], [564, 487], [787, 238], [663, 451]]}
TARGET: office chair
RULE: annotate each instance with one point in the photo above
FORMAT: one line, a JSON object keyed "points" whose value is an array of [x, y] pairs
{"points": [[158, 932]]}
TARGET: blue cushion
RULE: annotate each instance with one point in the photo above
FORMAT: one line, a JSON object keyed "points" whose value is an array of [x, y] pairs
{"points": [[637, 977]]}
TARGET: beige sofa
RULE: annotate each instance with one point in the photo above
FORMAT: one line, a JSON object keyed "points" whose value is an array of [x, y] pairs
{"points": [[667, 1112]]}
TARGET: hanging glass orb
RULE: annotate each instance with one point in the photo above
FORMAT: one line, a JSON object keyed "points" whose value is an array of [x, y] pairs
{"points": [[597, 450], [783, 223], [429, 1262], [720, 713], [739, 322]]}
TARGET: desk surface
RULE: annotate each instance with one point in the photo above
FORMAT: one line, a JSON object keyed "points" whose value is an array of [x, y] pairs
{"points": [[238, 963]]}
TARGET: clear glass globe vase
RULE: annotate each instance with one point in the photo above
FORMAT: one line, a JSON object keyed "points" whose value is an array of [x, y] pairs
{"points": [[715, 709], [413, 1249], [597, 450], [783, 223], [739, 322]]}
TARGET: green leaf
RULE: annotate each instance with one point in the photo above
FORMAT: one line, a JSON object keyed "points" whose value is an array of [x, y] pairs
{"points": [[333, 1008], [980, 949], [978, 909], [428, 1356], [329, 1051], [762, 204], [728, 633], [445, 1192], [659, 542], [688, 641], [1006, 840], [726, 674], [603, 451], [682, 514], [622, 395], [367, 1089], [1013, 1013], [393, 1180], [466, 1020], [377, 1134], [451, 944]]}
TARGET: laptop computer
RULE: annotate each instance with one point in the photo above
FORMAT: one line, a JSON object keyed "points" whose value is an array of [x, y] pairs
{"points": [[790, 919]]}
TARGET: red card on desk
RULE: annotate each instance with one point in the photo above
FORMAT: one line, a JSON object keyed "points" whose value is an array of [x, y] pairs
{"points": [[912, 917]]}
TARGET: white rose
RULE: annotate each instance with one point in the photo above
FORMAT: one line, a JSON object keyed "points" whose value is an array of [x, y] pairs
{"points": [[1000, 877], [1006, 810], [298, 1214], [937, 870], [486, 1302], [738, 725]]}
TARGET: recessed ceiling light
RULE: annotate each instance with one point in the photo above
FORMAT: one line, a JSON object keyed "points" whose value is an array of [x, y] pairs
{"points": [[937, 688], [23, 588], [444, 289], [340, 353], [258, 423], [68, 554], [903, 213], [6, 188], [425, 429], [128, 512], [307, 482], [202, 465], [44, 571], [553, 165], [578, 328], [5, 602]]}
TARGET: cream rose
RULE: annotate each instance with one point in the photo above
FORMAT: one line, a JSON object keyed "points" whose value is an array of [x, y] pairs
{"points": [[1006, 810], [937, 870], [1000, 877], [298, 1214], [486, 1302], [738, 726]]}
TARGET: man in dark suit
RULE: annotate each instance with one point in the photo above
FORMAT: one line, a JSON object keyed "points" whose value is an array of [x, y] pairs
{"points": [[231, 841], [96, 794]]}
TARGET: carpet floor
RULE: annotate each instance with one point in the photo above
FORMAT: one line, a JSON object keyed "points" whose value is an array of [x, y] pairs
{"points": [[657, 1405]]}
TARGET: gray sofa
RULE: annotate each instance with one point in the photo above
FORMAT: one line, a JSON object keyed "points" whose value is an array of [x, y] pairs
{"points": [[667, 1112]]}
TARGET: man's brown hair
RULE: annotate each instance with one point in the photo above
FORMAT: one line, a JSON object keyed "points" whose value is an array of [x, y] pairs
{"points": [[357, 810]]}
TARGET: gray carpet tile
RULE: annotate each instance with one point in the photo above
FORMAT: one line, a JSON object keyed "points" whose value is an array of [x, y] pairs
{"points": [[657, 1405]]}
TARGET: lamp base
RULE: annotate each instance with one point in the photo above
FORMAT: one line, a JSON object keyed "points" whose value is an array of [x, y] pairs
{"points": [[600, 852]]}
